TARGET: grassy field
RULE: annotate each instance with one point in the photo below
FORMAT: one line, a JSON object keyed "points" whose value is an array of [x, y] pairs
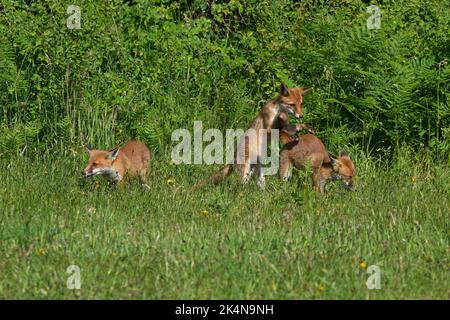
{"points": [[286, 242]]}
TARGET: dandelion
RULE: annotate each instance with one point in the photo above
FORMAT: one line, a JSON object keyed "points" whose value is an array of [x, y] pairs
{"points": [[205, 213], [414, 180], [41, 251], [320, 287], [362, 265]]}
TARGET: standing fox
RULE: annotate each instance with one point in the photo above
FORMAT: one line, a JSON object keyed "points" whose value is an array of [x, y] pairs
{"points": [[132, 159], [274, 115], [310, 150]]}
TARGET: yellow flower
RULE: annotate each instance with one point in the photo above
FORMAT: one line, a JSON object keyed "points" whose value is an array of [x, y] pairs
{"points": [[205, 213], [362, 264], [170, 181], [414, 179], [320, 287], [41, 251]]}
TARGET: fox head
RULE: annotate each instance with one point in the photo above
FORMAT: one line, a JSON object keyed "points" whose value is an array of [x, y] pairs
{"points": [[291, 100], [344, 170], [101, 163]]}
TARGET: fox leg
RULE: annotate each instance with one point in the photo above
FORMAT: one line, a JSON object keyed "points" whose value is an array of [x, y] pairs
{"points": [[143, 178], [291, 130], [285, 167], [317, 181], [303, 126], [261, 179], [323, 183], [247, 173]]}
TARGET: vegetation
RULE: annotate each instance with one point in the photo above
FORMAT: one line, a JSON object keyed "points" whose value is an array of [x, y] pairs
{"points": [[224, 242], [145, 68], [141, 69]]}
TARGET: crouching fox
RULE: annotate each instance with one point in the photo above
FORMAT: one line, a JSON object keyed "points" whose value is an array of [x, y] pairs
{"points": [[309, 150], [132, 159]]}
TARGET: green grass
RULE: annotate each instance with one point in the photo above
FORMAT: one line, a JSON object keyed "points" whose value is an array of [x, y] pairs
{"points": [[286, 242]]}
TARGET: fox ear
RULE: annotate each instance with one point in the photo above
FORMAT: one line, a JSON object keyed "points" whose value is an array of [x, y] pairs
{"points": [[305, 90], [343, 153], [284, 90], [335, 164], [113, 153]]}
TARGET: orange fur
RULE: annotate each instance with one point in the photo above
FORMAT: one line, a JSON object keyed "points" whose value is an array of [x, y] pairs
{"points": [[309, 150], [132, 159], [274, 115]]}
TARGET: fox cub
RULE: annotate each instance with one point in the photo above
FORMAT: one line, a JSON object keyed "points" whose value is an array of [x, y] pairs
{"points": [[309, 150], [132, 159]]}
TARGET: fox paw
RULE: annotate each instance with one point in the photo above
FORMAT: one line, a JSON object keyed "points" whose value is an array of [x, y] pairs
{"points": [[308, 128], [311, 130]]}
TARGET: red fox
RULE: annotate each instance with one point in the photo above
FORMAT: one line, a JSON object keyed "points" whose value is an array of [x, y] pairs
{"points": [[132, 159], [309, 150], [274, 115]]}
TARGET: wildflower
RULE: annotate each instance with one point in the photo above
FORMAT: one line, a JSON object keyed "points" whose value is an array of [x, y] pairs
{"points": [[41, 251], [205, 213], [170, 182], [362, 265], [320, 287], [414, 180]]}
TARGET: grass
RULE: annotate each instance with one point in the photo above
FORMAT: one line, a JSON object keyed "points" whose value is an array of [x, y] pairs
{"points": [[223, 242]]}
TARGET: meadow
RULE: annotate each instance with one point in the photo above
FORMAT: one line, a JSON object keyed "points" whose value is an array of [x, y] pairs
{"points": [[225, 241]]}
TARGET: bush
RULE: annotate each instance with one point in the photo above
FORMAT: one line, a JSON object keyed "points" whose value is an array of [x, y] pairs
{"points": [[140, 69]]}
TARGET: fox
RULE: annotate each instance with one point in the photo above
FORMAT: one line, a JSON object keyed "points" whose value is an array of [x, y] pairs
{"points": [[273, 115], [133, 159], [310, 150]]}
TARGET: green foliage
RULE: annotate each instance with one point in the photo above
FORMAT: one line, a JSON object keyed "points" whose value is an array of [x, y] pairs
{"points": [[141, 69]]}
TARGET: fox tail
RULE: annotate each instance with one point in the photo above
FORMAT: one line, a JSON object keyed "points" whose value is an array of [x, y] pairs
{"points": [[216, 177]]}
